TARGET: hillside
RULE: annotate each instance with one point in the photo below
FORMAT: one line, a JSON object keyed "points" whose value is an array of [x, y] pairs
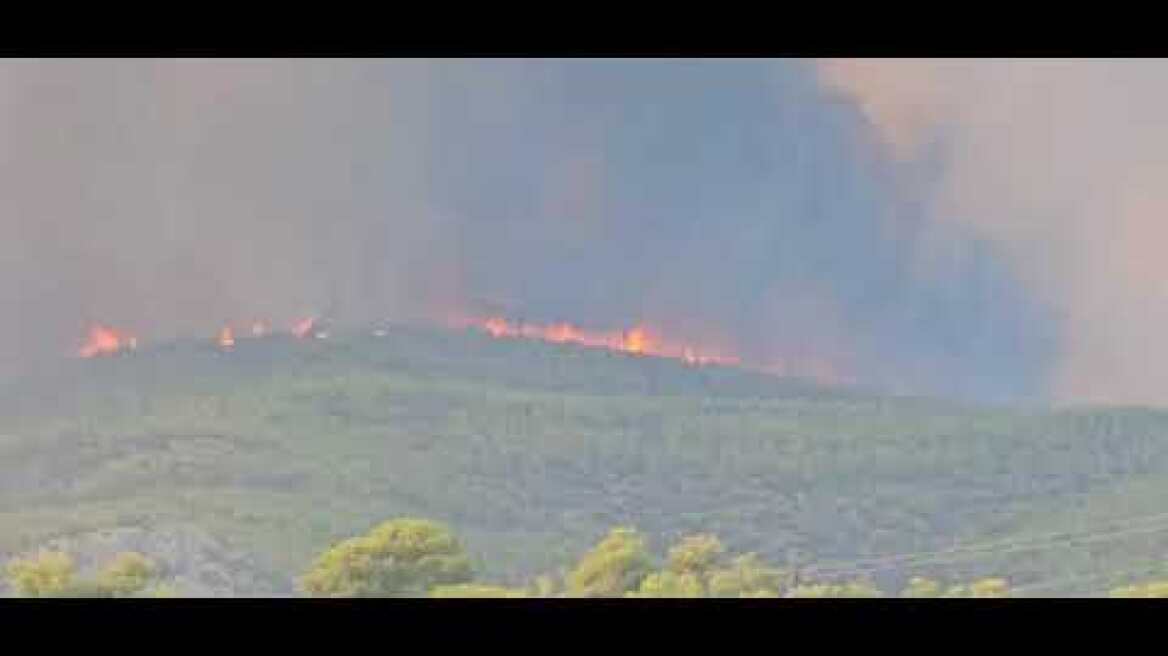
{"points": [[243, 465]]}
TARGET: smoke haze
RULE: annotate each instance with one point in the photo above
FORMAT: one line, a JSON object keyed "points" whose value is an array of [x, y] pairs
{"points": [[749, 203], [1061, 165]]}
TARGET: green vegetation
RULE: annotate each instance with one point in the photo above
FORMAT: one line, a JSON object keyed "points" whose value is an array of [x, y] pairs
{"points": [[613, 567], [48, 574], [620, 565], [129, 574], [409, 557], [281, 448], [1151, 590], [53, 574], [402, 557], [476, 591]]}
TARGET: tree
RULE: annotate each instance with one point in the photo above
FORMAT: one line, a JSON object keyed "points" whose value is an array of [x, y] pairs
{"points": [[746, 576], [613, 567], [400, 557], [128, 574], [670, 585], [695, 554], [53, 574], [47, 574], [687, 565]]}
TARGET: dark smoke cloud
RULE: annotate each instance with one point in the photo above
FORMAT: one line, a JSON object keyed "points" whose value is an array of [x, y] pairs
{"points": [[733, 198], [729, 201]]}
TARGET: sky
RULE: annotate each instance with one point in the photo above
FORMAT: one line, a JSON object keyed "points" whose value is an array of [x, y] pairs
{"points": [[982, 230]]}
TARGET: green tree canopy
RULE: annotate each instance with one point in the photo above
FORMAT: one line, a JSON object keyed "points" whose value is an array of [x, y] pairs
{"points": [[47, 574], [613, 567], [746, 576], [128, 574], [53, 574], [695, 554], [401, 557], [670, 585]]}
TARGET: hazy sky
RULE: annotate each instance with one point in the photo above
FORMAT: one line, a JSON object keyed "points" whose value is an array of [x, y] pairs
{"points": [[967, 228]]}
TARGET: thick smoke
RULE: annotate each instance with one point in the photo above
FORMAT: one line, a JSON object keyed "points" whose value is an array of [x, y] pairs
{"points": [[167, 198], [1062, 166], [738, 202]]}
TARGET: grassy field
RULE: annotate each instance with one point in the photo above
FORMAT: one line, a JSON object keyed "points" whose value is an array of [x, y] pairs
{"points": [[532, 451]]}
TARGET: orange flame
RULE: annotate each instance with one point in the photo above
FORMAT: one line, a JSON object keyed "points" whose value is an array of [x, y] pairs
{"points": [[639, 340], [303, 328], [642, 341], [103, 340], [635, 341], [226, 338]]}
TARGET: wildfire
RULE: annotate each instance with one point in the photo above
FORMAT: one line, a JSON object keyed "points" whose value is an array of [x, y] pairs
{"points": [[103, 340], [226, 338], [642, 341], [638, 340], [635, 341]]}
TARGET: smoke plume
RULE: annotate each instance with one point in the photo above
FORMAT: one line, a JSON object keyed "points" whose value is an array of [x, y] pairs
{"points": [[1061, 165], [735, 202]]}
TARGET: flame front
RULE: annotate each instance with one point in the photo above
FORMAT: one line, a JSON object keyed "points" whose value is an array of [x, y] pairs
{"points": [[642, 341], [103, 340], [635, 341], [638, 340]]}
